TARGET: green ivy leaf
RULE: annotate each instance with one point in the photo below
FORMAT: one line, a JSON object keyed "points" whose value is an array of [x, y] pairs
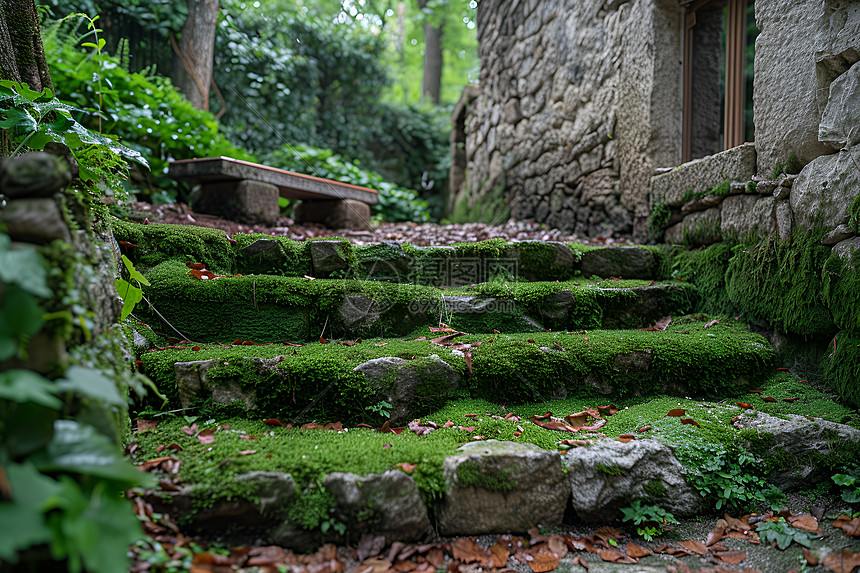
{"points": [[32, 495], [130, 294], [133, 273], [82, 449], [92, 383], [94, 528], [23, 267], [26, 386]]}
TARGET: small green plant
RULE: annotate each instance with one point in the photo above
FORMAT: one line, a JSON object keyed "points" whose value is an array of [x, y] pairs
{"points": [[851, 491], [648, 519], [34, 119], [782, 533], [726, 478], [383, 409], [660, 217], [130, 294]]}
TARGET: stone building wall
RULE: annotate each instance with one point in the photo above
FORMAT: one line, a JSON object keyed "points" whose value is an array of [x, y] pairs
{"points": [[804, 170], [578, 103]]}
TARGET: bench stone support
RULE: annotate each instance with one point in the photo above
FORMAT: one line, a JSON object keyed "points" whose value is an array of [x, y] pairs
{"points": [[334, 213], [246, 201]]}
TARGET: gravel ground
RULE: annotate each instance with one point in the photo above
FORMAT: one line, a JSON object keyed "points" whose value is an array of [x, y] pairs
{"points": [[424, 234]]}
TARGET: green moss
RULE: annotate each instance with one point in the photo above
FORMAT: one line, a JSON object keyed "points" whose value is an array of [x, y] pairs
{"points": [[157, 243], [780, 281], [661, 214], [655, 489], [842, 366], [854, 215], [469, 474], [285, 257], [720, 189], [792, 165], [841, 290], [613, 470], [706, 268], [750, 187], [311, 508]]}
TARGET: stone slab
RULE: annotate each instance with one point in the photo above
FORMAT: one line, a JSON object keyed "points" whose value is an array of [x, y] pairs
{"points": [[609, 475], [699, 228], [523, 487], [290, 185], [825, 188], [736, 164], [747, 215]]}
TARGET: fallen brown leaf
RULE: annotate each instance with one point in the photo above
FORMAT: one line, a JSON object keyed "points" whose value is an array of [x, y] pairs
{"points": [[465, 549], [805, 522], [143, 425], [676, 413], [694, 547], [731, 557], [543, 562], [851, 527], [376, 565], [499, 555], [557, 545], [611, 555], [206, 437], [842, 562], [636, 551], [715, 535], [810, 557], [581, 562], [436, 558]]}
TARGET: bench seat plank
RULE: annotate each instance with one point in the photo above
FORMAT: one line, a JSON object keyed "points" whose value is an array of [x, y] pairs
{"points": [[290, 185]]}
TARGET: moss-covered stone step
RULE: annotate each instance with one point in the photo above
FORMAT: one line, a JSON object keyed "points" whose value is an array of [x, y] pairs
{"points": [[343, 380], [268, 308], [451, 266], [486, 468]]}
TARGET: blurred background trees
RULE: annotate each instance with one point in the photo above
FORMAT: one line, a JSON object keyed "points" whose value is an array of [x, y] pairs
{"points": [[369, 84]]}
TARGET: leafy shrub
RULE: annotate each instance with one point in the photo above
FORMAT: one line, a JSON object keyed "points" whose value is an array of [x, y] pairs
{"points": [[62, 478], [649, 519], [783, 533], [142, 109], [395, 203], [850, 485]]}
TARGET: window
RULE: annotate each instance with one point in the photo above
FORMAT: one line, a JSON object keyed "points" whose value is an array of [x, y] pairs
{"points": [[718, 47]]}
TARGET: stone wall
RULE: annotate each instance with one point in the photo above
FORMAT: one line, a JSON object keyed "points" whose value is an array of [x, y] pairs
{"points": [[807, 108], [802, 48], [579, 101]]}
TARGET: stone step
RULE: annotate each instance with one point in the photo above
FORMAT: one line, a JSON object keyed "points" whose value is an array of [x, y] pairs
{"points": [[484, 469], [448, 266], [267, 308], [343, 380]]}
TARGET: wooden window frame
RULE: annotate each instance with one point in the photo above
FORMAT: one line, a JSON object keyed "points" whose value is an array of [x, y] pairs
{"points": [[733, 117]]}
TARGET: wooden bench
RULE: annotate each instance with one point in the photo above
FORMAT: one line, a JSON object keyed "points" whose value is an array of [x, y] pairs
{"points": [[248, 192]]}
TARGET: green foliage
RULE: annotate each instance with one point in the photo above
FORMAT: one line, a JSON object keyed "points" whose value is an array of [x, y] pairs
{"points": [[851, 487], [34, 119], [780, 281], [395, 203], [660, 216], [382, 409], [141, 108], [723, 473], [706, 268], [24, 278], [64, 476], [129, 293], [649, 519], [783, 534]]}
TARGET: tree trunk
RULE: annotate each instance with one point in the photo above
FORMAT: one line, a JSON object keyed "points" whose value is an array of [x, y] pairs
{"points": [[193, 57], [22, 57], [431, 84]]}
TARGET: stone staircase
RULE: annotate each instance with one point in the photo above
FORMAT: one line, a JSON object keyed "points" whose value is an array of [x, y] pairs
{"points": [[329, 390]]}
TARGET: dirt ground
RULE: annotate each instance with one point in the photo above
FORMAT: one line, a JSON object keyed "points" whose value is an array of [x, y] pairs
{"points": [[424, 234]]}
